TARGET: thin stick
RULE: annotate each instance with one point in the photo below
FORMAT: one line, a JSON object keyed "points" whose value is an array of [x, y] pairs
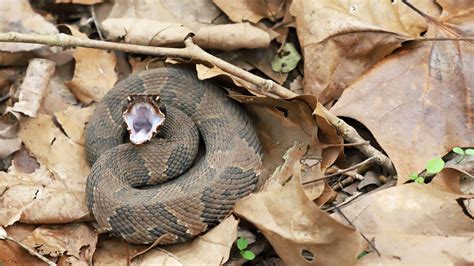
{"points": [[355, 166], [192, 51], [366, 239]]}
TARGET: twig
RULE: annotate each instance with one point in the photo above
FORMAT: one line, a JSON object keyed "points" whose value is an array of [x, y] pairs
{"points": [[96, 24], [192, 51], [355, 166], [366, 239], [31, 251]]}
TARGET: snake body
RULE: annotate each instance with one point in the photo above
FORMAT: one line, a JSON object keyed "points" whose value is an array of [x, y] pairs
{"points": [[133, 191]]}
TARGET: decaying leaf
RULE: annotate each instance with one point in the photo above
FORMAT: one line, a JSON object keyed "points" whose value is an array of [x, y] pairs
{"points": [[77, 240], [94, 73], [297, 229], [32, 90], [419, 103], [341, 40]]}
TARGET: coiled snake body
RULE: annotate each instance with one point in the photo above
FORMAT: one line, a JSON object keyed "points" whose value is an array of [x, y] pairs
{"points": [[129, 189]]}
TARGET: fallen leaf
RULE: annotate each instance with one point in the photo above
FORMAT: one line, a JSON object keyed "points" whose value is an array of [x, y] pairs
{"points": [[76, 239], [12, 253], [404, 102], [9, 146], [232, 37], [212, 248], [94, 74], [80, 2], [297, 229], [145, 31], [410, 209], [252, 10], [114, 251], [73, 121], [33, 87], [57, 96], [340, 40]]}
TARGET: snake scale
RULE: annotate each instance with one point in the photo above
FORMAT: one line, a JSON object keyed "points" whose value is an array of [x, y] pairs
{"points": [[132, 190]]}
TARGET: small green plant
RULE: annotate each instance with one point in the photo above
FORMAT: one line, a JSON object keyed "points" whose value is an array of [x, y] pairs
{"points": [[433, 166], [462, 153], [242, 244]]}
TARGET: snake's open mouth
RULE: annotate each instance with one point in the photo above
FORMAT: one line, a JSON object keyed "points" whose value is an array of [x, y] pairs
{"points": [[143, 117]]}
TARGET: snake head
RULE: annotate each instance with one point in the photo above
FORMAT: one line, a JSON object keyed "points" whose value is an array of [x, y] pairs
{"points": [[144, 117]]}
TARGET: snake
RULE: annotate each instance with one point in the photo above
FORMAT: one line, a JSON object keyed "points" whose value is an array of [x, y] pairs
{"points": [[185, 180]]}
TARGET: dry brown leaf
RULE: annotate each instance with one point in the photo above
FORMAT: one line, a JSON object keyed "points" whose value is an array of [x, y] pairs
{"points": [[204, 72], [252, 10], [40, 198], [66, 159], [194, 14], [341, 40], [114, 251], [145, 31], [19, 16], [297, 229], [406, 105], [410, 209], [213, 248], [33, 87], [9, 146], [57, 97], [262, 59], [411, 249], [94, 73], [76, 239], [73, 121], [232, 37]]}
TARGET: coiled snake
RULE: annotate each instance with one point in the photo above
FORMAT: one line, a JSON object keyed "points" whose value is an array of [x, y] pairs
{"points": [[131, 190]]}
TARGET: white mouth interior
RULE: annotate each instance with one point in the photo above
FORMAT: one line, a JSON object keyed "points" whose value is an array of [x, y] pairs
{"points": [[142, 122]]}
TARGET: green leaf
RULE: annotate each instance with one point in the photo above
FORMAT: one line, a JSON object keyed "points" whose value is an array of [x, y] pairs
{"points": [[469, 151], [413, 177], [242, 243], [435, 165], [286, 60], [248, 255], [458, 150], [420, 180], [362, 254]]}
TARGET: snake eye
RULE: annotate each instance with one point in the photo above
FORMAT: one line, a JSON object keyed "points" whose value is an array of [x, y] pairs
{"points": [[157, 98], [129, 99]]}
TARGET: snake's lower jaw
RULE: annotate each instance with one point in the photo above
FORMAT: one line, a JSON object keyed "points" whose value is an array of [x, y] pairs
{"points": [[143, 121]]}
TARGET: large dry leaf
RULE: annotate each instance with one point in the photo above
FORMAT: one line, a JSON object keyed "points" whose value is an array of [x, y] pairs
{"points": [[75, 241], [145, 31], [14, 254], [252, 10], [194, 14], [419, 103], [340, 40], [94, 73], [73, 121], [33, 87], [213, 248], [411, 209], [40, 198], [9, 141], [297, 229]]}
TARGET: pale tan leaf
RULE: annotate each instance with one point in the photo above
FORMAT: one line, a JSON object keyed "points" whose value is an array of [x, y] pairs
{"points": [[73, 121], [9, 146], [145, 31], [33, 87], [232, 37]]}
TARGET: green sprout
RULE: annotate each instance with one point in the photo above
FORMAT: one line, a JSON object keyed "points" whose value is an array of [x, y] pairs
{"points": [[435, 165], [462, 153], [242, 244]]}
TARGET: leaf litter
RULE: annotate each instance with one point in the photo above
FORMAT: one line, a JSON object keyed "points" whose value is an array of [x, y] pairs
{"points": [[379, 66]]}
